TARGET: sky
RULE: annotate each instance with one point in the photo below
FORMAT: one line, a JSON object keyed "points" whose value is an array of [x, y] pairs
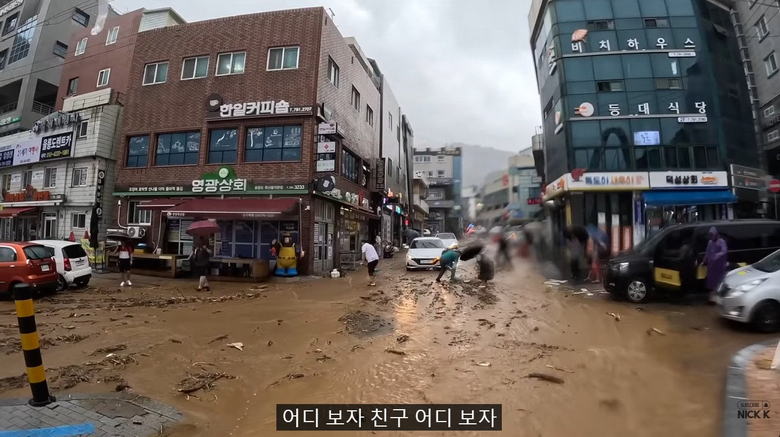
{"points": [[462, 71]]}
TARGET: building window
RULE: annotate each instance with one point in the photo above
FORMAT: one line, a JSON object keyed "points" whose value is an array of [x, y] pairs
{"points": [[138, 216], [769, 111], [333, 72], [60, 49], [668, 84], [355, 99], [21, 47], [81, 46], [180, 148], [223, 146], [195, 68], [656, 22], [761, 29], [78, 220], [11, 23], [50, 177], [440, 173], [80, 17], [138, 151], [155, 73], [601, 25], [369, 115], [27, 179], [275, 143], [231, 63], [390, 120], [610, 86], [81, 132], [73, 86], [6, 182], [113, 35], [3, 58], [283, 58], [79, 177], [103, 77], [770, 64], [350, 165], [773, 136]]}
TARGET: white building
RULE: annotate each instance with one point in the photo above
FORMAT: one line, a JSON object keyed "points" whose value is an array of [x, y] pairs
{"points": [[56, 178]]}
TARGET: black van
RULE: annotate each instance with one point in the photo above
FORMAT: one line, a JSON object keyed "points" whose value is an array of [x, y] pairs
{"points": [[657, 263]]}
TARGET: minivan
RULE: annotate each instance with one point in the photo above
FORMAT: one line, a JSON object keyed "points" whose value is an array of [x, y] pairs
{"points": [[653, 265], [72, 263]]}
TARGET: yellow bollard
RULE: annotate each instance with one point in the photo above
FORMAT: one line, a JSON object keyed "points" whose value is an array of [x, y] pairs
{"points": [[31, 346]]}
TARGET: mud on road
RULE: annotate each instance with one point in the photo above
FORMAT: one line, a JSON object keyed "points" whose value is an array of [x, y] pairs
{"points": [[227, 358]]}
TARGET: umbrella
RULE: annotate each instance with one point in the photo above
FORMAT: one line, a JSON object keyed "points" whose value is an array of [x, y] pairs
{"points": [[470, 251], [597, 235], [203, 228]]}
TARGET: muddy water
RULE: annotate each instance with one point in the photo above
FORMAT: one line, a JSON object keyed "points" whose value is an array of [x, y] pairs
{"points": [[408, 340]]}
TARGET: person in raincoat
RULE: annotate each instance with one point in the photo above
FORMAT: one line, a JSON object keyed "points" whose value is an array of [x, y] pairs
{"points": [[449, 261], [716, 260]]}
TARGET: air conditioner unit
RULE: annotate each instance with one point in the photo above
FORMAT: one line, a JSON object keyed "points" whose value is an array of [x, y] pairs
{"points": [[136, 232]]}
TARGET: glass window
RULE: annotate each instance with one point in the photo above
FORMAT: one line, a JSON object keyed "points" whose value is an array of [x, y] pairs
{"points": [[7, 255], [700, 157], [369, 116], [80, 17], [138, 151], [178, 148], [21, 46], [138, 216], [770, 64], [274, 143], [607, 67], [679, 7], [684, 157], [283, 58], [231, 63], [670, 156], [610, 86], [83, 129], [103, 77], [11, 23], [356, 101], [598, 9], [600, 24], [81, 46], [617, 159], [664, 66], [673, 133], [570, 10], [60, 49], [625, 8], [3, 58], [713, 160], [349, 165], [223, 146], [646, 84], [586, 87], [50, 177], [195, 68], [73, 86], [333, 72], [635, 66], [155, 73], [78, 221], [585, 133], [653, 8], [79, 177], [112, 36], [578, 69], [615, 133], [668, 84]]}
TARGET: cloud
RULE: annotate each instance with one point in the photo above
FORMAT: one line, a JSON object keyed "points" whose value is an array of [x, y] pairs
{"points": [[461, 70]]}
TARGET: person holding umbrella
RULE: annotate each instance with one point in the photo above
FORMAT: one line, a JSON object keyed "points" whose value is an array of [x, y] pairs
{"points": [[201, 260]]}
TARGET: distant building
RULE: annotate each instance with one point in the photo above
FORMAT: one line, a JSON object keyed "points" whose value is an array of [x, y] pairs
{"points": [[444, 170], [525, 199], [494, 196], [421, 210], [469, 199]]}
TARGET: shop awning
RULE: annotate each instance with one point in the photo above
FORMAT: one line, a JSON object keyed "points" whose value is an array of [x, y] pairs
{"points": [[13, 212], [159, 203], [234, 208], [689, 197]]}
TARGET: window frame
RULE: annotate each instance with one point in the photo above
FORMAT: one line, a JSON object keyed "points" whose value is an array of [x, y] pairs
{"points": [[84, 172], [128, 155], [185, 153], [195, 67], [79, 13], [355, 99], [61, 45], [232, 54], [222, 152], [156, 69], [6, 31], [26, 180], [81, 46], [284, 52], [75, 89], [773, 135], [82, 129], [773, 57], [762, 30], [134, 212], [106, 72], [263, 148], [114, 31], [369, 115], [334, 72], [47, 177], [769, 111], [82, 219]]}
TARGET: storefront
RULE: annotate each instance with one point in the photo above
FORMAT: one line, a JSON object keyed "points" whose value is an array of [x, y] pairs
{"points": [[354, 221]]}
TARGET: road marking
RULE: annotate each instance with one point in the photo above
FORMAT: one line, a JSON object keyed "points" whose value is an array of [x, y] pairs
{"points": [[59, 431]]}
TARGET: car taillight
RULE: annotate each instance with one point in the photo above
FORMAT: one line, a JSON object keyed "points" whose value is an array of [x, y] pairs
{"points": [[67, 264]]}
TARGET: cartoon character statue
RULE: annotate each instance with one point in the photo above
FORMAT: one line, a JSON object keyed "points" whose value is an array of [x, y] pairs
{"points": [[286, 257]]}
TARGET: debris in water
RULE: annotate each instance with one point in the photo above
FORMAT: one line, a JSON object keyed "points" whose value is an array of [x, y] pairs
{"points": [[393, 351], [237, 345], [483, 364], [220, 338], [279, 322], [612, 404], [545, 377], [356, 347], [294, 375], [402, 338], [173, 340], [270, 342], [110, 349], [324, 358], [584, 290], [558, 368], [655, 330], [287, 357], [614, 316], [199, 381]]}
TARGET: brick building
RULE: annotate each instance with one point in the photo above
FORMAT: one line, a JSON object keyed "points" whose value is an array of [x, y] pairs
{"points": [[239, 119]]}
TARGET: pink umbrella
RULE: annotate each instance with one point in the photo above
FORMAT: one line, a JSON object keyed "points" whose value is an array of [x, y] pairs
{"points": [[203, 228]]}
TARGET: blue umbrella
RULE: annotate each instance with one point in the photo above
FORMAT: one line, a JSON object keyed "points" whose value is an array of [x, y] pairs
{"points": [[598, 235]]}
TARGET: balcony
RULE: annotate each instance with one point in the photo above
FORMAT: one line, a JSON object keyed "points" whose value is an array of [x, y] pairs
{"points": [[42, 108], [421, 204], [10, 107]]}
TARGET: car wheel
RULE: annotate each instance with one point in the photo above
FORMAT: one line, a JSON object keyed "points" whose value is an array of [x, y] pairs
{"points": [[83, 283], [766, 317], [637, 291], [62, 284]]}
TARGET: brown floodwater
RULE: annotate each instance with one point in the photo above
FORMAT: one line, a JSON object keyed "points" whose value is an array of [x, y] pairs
{"points": [[326, 341]]}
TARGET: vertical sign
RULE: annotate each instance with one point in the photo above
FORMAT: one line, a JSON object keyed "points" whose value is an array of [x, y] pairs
{"points": [[380, 174]]}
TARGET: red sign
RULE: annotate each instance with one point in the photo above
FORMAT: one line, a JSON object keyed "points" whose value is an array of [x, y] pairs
{"points": [[774, 186], [534, 200], [30, 194]]}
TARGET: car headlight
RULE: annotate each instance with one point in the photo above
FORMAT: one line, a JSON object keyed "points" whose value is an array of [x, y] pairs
{"points": [[744, 288], [623, 267]]}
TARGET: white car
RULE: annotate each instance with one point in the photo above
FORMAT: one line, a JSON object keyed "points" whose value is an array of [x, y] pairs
{"points": [[72, 263], [752, 294], [424, 253], [448, 238]]}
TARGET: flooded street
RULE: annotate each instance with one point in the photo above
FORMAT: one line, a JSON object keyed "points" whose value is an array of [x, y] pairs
{"points": [[657, 370]]}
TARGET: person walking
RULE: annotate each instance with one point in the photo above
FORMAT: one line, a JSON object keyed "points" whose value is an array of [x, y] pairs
{"points": [[449, 261], [503, 258], [372, 259], [576, 256], [716, 260], [125, 250], [201, 260]]}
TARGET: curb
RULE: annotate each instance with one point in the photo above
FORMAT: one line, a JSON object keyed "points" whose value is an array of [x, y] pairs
{"points": [[736, 389]]}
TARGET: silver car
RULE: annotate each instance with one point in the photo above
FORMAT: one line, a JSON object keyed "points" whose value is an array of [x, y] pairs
{"points": [[752, 294]]}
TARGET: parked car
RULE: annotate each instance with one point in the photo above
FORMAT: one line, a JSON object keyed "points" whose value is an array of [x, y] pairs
{"points": [[424, 253], [653, 265], [447, 238], [72, 263], [752, 294], [26, 263]]}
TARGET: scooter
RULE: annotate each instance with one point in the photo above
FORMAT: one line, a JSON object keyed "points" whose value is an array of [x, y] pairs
{"points": [[388, 250]]}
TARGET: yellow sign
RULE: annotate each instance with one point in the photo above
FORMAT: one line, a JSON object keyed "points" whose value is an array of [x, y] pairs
{"points": [[667, 277]]}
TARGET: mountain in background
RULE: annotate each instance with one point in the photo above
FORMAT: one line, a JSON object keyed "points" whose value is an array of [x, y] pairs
{"points": [[480, 161]]}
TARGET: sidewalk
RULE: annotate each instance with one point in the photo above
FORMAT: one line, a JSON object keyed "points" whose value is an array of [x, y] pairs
{"points": [[114, 414], [752, 404]]}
